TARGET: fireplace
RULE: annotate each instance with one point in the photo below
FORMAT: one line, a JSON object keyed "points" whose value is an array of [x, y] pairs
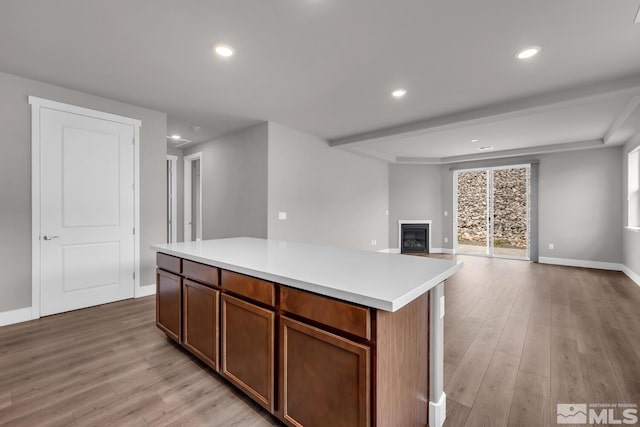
{"points": [[414, 238]]}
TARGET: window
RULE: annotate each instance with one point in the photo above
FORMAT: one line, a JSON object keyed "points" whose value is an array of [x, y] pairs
{"points": [[633, 189]]}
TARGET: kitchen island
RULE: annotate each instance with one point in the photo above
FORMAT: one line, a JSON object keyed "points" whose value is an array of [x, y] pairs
{"points": [[317, 335]]}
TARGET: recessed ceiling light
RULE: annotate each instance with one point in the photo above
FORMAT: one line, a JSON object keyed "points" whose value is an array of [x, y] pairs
{"points": [[223, 50], [176, 137], [528, 52], [475, 140], [486, 147], [399, 93]]}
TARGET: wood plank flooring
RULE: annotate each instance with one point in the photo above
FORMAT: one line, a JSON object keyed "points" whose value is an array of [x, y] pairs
{"points": [[110, 366], [519, 338], [522, 337]]}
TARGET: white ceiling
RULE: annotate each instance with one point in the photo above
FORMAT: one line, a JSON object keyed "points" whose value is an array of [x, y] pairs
{"points": [[327, 66]]}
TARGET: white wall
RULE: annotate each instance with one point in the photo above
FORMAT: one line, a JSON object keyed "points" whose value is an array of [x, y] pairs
{"points": [[580, 202], [331, 196], [234, 184], [15, 176]]}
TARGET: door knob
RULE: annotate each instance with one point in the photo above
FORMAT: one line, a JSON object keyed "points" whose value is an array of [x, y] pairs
{"points": [[47, 237]]}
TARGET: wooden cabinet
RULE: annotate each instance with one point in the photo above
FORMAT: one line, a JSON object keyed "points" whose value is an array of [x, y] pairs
{"points": [[169, 303], [248, 346], [324, 378], [310, 360], [339, 315], [249, 287], [169, 263], [200, 317], [200, 272]]}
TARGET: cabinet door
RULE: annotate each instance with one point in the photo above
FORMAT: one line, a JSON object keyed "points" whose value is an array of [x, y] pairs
{"points": [[324, 378], [200, 321], [169, 303], [248, 347]]}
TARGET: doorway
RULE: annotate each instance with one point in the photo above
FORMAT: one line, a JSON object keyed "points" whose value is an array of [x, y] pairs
{"points": [[193, 197], [493, 211], [172, 198]]}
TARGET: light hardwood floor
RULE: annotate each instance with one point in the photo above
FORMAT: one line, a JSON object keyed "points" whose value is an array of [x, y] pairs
{"points": [[519, 338], [522, 337], [110, 366]]}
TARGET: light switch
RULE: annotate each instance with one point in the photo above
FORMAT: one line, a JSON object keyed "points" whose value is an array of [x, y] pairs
{"points": [[282, 216], [446, 213]]}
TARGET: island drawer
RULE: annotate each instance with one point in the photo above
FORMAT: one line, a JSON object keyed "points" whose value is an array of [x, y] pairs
{"points": [[200, 272], [249, 287], [169, 263], [346, 317]]}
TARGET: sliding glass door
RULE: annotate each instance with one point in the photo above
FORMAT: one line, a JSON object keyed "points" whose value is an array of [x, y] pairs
{"points": [[492, 214]]}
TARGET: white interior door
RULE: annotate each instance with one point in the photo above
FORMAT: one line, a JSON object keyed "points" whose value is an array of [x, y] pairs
{"points": [[87, 243]]}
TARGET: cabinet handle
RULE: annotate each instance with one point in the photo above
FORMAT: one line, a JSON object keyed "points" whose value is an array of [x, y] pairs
{"points": [[47, 237]]}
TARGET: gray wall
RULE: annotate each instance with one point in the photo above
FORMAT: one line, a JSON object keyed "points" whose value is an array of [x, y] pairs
{"points": [[234, 184], [415, 192], [580, 204], [631, 238], [15, 179], [331, 196], [180, 191]]}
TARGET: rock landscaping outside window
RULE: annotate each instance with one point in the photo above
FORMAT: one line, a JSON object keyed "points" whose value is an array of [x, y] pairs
{"points": [[509, 208]]}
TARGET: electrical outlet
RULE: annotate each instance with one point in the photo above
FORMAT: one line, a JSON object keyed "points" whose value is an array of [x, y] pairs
{"points": [[446, 240], [282, 216], [387, 213], [551, 246], [374, 242]]}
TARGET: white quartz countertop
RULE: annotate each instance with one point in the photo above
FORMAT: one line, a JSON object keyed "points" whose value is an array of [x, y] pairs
{"points": [[373, 279]]}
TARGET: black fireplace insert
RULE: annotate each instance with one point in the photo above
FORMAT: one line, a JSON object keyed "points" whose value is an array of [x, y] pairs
{"points": [[414, 238]]}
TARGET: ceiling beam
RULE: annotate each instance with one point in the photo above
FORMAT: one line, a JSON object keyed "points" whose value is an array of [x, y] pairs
{"points": [[500, 111], [626, 112], [529, 151]]}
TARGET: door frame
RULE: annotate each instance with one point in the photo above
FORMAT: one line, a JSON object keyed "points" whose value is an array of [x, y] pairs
{"points": [[174, 197], [489, 203], [188, 166], [38, 104]]}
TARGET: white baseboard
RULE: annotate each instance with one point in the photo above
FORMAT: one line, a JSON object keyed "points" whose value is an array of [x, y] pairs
{"points": [[438, 411], [145, 291], [15, 316], [442, 251], [390, 251], [631, 274], [581, 263]]}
